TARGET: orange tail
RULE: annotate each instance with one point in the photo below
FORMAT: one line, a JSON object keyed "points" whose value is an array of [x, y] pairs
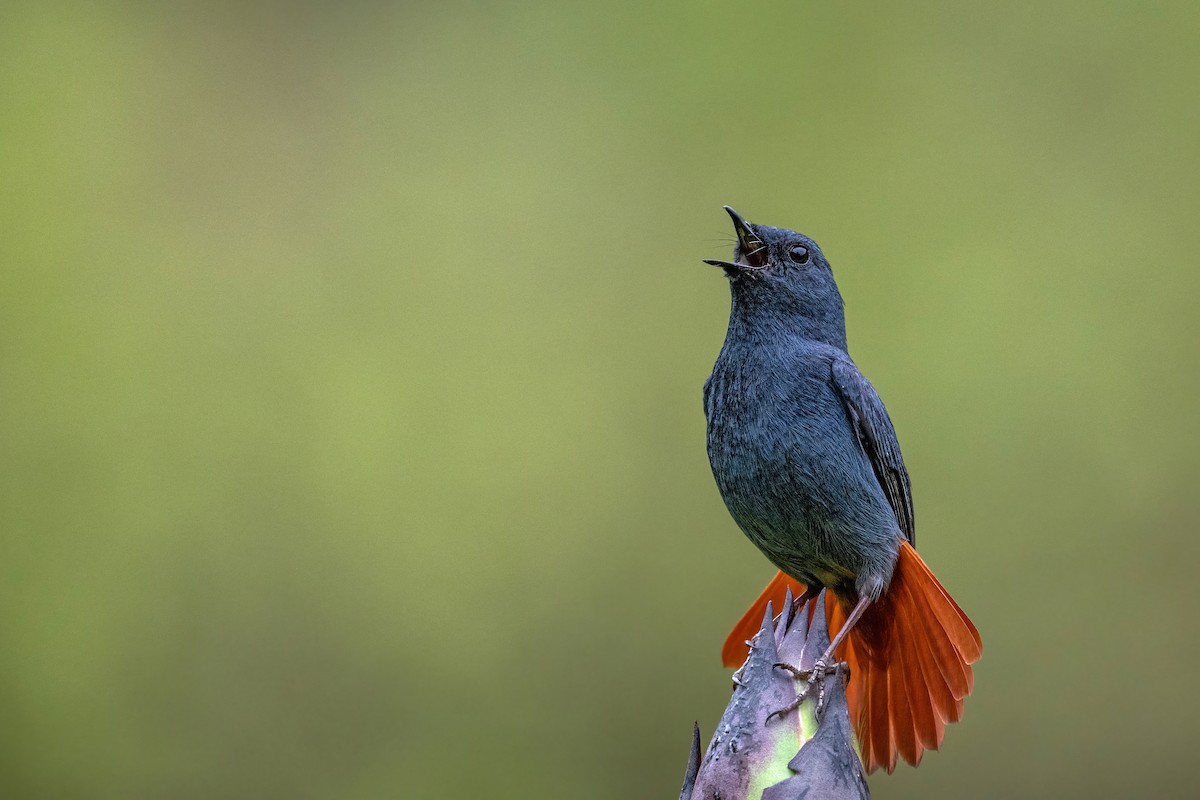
{"points": [[910, 661]]}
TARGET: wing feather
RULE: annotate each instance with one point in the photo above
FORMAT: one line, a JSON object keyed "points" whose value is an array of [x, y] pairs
{"points": [[875, 433]]}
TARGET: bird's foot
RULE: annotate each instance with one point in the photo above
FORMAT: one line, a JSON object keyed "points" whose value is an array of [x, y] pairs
{"points": [[815, 678]]}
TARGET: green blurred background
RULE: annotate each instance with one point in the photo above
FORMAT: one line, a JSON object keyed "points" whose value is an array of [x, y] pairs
{"points": [[352, 442]]}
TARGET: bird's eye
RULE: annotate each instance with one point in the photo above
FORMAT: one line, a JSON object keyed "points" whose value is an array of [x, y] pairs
{"points": [[799, 254]]}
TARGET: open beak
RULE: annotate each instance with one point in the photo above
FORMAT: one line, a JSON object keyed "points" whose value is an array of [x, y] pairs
{"points": [[751, 252]]}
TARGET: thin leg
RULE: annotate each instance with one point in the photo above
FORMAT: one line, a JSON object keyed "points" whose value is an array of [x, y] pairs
{"points": [[859, 608], [825, 665]]}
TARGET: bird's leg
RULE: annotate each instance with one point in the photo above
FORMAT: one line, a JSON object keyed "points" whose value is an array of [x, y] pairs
{"points": [[825, 665], [815, 677], [851, 620]]}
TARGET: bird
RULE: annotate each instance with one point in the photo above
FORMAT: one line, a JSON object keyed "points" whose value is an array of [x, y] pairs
{"points": [[807, 461]]}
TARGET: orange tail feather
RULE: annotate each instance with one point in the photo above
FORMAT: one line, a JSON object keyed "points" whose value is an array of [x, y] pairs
{"points": [[910, 659]]}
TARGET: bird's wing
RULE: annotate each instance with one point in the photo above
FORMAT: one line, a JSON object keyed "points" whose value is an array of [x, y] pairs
{"points": [[875, 433]]}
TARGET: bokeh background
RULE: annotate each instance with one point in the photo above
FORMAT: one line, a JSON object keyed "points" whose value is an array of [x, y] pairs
{"points": [[351, 441]]}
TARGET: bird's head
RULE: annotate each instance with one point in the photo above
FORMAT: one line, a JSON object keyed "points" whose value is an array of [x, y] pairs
{"points": [[781, 277]]}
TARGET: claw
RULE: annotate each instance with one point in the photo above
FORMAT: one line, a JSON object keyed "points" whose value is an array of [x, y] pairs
{"points": [[814, 677], [797, 673], [790, 707], [837, 670]]}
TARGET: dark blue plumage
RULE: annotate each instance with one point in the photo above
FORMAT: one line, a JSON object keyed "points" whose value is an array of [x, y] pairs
{"points": [[809, 466], [801, 446]]}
